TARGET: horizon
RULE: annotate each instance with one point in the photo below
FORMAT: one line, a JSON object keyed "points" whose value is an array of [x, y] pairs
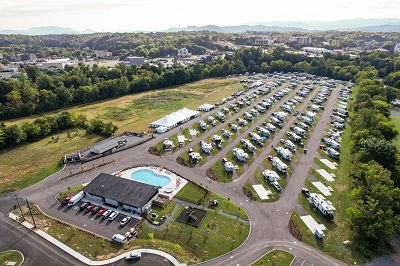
{"points": [[156, 15]]}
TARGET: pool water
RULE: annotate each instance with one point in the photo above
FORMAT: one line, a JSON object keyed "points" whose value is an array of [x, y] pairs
{"points": [[151, 178]]}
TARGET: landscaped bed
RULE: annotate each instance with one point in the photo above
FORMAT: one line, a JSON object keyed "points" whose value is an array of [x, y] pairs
{"points": [[275, 257]]}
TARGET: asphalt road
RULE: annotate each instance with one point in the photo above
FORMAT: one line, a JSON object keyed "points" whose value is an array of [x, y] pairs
{"points": [[36, 250], [269, 221]]}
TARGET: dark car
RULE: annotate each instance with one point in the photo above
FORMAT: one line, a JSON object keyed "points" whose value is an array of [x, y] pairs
{"points": [[214, 203], [96, 209], [84, 205]]}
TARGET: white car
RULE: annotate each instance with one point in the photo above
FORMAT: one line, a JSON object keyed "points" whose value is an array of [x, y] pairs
{"points": [[113, 215], [133, 256]]}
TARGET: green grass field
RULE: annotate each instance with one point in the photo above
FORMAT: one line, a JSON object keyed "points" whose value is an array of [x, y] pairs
{"points": [[30, 163], [11, 256], [193, 194], [337, 231], [275, 258], [396, 140]]}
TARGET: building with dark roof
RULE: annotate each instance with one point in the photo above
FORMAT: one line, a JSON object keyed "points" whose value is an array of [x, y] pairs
{"points": [[121, 192], [104, 146]]}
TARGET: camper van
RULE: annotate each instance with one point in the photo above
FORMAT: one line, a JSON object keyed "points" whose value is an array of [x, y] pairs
{"points": [[206, 147], [75, 199], [263, 131]]}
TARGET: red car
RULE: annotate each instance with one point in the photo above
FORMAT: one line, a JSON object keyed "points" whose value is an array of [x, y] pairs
{"points": [[89, 208], [65, 202], [101, 211]]}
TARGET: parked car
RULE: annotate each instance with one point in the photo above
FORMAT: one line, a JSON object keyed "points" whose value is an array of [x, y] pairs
{"points": [[101, 211], [133, 231], [96, 209], [306, 192], [106, 214], [89, 208], [113, 215], [214, 203], [133, 256], [66, 200], [125, 221], [84, 205]]}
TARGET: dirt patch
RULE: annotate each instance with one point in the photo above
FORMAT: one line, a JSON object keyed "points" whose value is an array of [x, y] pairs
{"points": [[294, 230], [154, 151], [181, 161], [210, 174]]}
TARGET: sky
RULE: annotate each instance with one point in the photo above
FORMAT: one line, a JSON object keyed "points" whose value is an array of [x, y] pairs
{"points": [[152, 15]]}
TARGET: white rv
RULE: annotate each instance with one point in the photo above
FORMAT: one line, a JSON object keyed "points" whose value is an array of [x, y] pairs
{"points": [[325, 207], [202, 125], [278, 164], [288, 144], [255, 137], [270, 127], [248, 116], [248, 145], [240, 154], [285, 153], [263, 131], [270, 175], [206, 147], [226, 133]]}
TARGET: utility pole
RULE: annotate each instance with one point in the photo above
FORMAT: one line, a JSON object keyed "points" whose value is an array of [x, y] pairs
{"points": [[22, 213], [29, 207]]}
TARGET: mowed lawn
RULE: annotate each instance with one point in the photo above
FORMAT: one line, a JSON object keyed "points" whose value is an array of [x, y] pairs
{"points": [[135, 112], [396, 121], [29, 163]]}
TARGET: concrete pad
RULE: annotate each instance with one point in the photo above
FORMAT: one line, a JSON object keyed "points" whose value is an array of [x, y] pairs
{"points": [[325, 175], [10, 263], [261, 191], [324, 190], [311, 223], [328, 163]]}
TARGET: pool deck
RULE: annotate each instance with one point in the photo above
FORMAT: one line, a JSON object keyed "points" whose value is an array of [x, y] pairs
{"points": [[163, 172]]}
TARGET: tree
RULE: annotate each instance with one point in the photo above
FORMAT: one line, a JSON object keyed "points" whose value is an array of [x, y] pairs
{"points": [[379, 150], [388, 130], [374, 215], [33, 73], [13, 135]]}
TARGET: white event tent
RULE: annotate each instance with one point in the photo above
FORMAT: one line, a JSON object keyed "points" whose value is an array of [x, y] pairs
{"points": [[173, 120], [205, 107]]}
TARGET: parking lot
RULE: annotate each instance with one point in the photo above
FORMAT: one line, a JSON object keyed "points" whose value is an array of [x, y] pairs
{"points": [[90, 221]]}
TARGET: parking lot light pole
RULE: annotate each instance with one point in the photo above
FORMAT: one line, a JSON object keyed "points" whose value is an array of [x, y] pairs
{"points": [[33, 219], [22, 213]]}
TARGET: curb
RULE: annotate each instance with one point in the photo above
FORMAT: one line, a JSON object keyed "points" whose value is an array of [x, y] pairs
{"points": [[88, 261], [23, 257]]}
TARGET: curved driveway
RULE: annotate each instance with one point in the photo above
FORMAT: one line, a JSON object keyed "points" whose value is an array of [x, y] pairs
{"points": [[269, 221]]}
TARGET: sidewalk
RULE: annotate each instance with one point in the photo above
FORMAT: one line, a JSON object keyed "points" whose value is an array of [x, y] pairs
{"points": [[88, 261]]}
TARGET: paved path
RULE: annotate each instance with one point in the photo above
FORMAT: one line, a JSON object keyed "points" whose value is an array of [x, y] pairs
{"points": [[269, 221]]}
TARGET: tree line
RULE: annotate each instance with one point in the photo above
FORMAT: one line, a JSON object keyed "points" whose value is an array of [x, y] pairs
{"points": [[37, 93], [12, 135], [375, 212]]}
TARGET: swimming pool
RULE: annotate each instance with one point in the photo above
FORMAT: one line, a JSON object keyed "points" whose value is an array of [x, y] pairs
{"points": [[151, 178]]}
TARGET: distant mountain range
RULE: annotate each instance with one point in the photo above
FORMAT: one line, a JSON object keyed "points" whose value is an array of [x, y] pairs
{"points": [[46, 31], [359, 24]]}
